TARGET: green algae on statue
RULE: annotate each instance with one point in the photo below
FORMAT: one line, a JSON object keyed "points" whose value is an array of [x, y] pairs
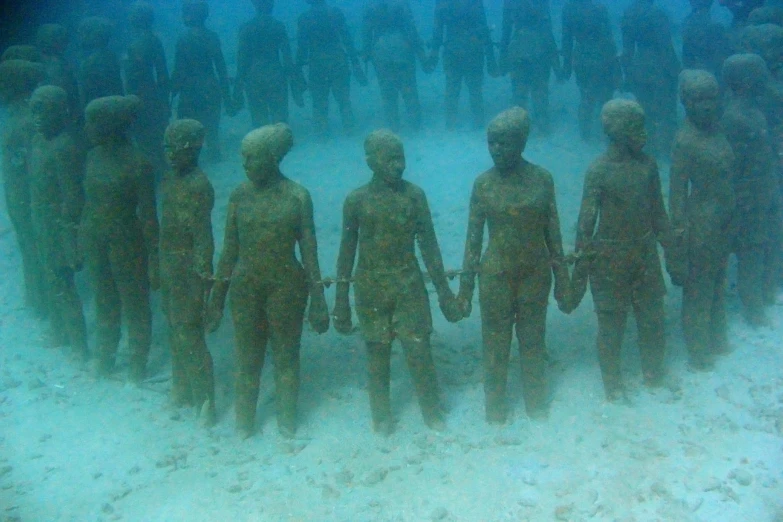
{"points": [[119, 233], [268, 217], [621, 220], [384, 220], [186, 250], [515, 201], [56, 200]]}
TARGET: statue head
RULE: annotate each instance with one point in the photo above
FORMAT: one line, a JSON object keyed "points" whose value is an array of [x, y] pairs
{"points": [[266, 6], [52, 39], [766, 15], [195, 13], [623, 122], [182, 143], [95, 33], [507, 136], [701, 5], [766, 40], [28, 53], [385, 155], [263, 149], [49, 109], [141, 16], [109, 118], [700, 95], [18, 79], [745, 74]]}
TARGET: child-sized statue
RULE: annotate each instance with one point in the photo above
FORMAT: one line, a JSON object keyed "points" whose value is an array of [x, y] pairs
{"points": [[52, 41], [119, 233], [515, 200], [755, 184], [701, 204], [385, 219], [99, 74], [622, 194], [57, 198], [200, 78], [186, 250], [268, 216], [147, 76], [18, 79]]}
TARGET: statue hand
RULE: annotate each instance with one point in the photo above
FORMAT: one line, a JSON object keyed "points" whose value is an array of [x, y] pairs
{"points": [[318, 315], [342, 318], [465, 305], [214, 316], [451, 308]]}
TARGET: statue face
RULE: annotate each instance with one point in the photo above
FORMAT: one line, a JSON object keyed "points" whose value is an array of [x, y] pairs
{"points": [[633, 135], [181, 158], [260, 166], [49, 116], [388, 163], [703, 108], [505, 148]]}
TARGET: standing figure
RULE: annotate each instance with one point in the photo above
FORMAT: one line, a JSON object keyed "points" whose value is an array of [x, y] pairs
{"points": [[651, 69], [741, 9], [186, 250], [529, 53], [265, 68], [326, 47], [701, 204], [590, 52], [268, 217], [385, 219], [119, 233], [705, 43], [200, 78], [99, 73], [461, 30], [756, 185], [515, 200], [56, 200], [52, 41], [391, 42], [147, 76], [18, 79], [622, 194]]}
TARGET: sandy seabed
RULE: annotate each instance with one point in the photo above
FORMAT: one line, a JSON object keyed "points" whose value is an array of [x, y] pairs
{"points": [[706, 447]]}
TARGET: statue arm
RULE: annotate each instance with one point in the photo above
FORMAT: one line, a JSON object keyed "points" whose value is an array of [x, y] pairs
{"points": [[589, 209], [227, 262], [345, 259], [554, 243], [678, 185], [430, 250], [660, 219], [204, 244], [473, 244], [147, 212]]}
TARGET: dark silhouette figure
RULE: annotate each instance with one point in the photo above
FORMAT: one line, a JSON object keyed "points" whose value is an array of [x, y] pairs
{"points": [[52, 41], [705, 43], [99, 73]]}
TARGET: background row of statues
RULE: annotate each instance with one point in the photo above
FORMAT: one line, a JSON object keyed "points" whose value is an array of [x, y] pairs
{"points": [[267, 70], [98, 209]]}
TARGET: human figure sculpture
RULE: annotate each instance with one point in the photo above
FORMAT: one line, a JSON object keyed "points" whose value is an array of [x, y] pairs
{"points": [[28, 53], [461, 30], [186, 251], [326, 47], [651, 69], [705, 42], [741, 9], [56, 201], [99, 72], [52, 41], [268, 217], [392, 43], [147, 76], [701, 205], [756, 185], [119, 233], [200, 77], [528, 52], [265, 68], [621, 220], [515, 200], [384, 220], [18, 79], [589, 51]]}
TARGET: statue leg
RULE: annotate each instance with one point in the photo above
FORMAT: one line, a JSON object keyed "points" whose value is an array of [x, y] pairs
{"points": [[285, 309], [181, 392], [652, 339], [474, 81], [319, 91], [409, 90], [108, 307], [341, 90], [697, 298], [587, 103], [531, 331], [379, 373], [251, 328], [611, 327], [129, 264], [69, 306], [451, 95], [497, 320], [539, 91], [18, 206], [520, 87], [719, 339], [750, 270], [389, 95], [196, 364], [418, 355]]}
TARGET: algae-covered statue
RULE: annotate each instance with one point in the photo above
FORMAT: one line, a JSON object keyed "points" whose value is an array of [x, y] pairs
{"points": [[186, 250], [515, 201], [18, 79], [268, 217], [385, 219], [52, 41], [621, 220], [99, 73], [56, 200], [119, 233], [756, 185]]}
